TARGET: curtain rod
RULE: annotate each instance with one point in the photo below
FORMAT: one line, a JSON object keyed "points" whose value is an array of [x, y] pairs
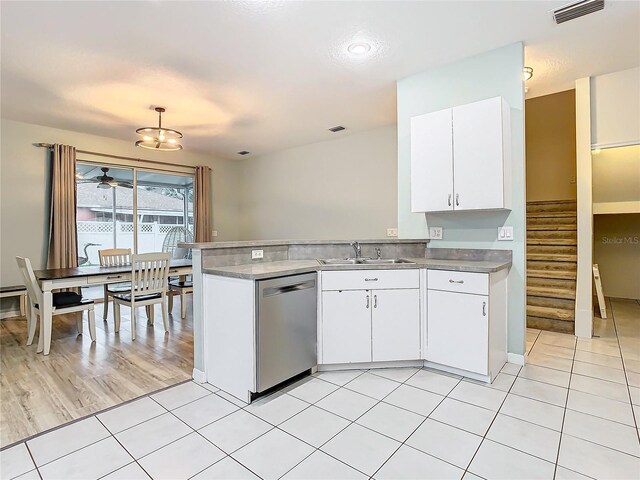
{"points": [[120, 157]]}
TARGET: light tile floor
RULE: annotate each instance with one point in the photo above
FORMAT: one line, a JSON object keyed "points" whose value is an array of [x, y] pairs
{"points": [[572, 412]]}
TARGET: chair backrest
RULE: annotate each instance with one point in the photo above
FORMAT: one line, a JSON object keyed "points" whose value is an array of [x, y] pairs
{"points": [[115, 257], [149, 273], [33, 287]]}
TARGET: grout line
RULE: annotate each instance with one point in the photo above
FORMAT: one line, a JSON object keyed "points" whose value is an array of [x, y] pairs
{"points": [[129, 453], [564, 411]]}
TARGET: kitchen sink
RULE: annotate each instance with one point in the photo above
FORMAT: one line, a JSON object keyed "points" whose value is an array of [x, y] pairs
{"points": [[363, 261]]}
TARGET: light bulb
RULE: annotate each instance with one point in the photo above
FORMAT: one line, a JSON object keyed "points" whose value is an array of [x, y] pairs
{"points": [[147, 138], [161, 138], [172, 140], [359, 48]]}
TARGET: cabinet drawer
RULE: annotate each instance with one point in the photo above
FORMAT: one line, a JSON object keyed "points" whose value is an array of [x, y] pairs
{"points": [[463, 282], [370, 279], [113, 278]]}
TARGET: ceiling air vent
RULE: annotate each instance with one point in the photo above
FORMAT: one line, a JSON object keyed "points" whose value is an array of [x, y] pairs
{"points": [[243, 152], [579, 9], [337, 128]]}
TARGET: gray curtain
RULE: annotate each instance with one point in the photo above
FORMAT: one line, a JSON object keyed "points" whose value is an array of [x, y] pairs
{"points": [[63, 239]]}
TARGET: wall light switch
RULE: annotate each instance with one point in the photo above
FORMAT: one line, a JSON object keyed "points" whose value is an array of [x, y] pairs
{"points": [[435, 233], [392, 232], [505, 234], [214, 233], [256, 254]]}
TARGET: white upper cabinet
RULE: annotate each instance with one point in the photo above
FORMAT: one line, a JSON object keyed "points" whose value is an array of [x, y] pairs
{"points": [[460, 158], [432, 162]]}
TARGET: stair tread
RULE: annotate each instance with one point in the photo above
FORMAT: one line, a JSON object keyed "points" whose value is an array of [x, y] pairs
{"points": [[552, 292], [552, 241], [551, 214], [550, 202], [555, 274], [552, 257], [559, 227], [551, 312]]}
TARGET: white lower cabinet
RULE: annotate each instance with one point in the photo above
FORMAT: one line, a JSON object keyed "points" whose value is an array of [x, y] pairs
{"points": [[346, 326], [395, 325], [458, 330], [365, 325]]}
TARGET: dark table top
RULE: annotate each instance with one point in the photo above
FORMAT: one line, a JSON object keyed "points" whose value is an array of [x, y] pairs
{"points": [[57, 273]]}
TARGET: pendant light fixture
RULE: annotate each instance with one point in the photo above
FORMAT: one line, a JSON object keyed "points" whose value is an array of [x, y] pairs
{"points": [[159, 138]]}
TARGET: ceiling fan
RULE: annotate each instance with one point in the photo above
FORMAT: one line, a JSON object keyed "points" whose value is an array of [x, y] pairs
{"points": [[105, 181]]}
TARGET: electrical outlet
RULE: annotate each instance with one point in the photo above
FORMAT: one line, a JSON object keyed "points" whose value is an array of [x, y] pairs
{"points": [[256, 254], [505, 234], [392, 232], [435, 233], [214, 233]]}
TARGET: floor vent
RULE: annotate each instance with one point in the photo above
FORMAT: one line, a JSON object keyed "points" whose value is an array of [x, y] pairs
{"points": [[338, 128], [580, 9]]}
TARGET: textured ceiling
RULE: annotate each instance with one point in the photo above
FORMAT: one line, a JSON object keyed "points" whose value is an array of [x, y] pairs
{"points": [[268, 75]]}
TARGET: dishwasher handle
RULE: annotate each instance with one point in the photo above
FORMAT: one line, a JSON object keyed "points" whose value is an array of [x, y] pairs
{"points": [[271, 291]]}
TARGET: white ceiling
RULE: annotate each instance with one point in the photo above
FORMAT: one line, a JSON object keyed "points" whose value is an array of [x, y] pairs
{"points": [[268, 75]]}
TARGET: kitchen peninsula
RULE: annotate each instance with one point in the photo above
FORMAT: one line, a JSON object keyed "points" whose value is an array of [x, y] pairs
{"points": [[266, 311]]}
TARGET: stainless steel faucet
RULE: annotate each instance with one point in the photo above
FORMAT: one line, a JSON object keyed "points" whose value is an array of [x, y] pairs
{"points": [[378, 253], [356, 248]]}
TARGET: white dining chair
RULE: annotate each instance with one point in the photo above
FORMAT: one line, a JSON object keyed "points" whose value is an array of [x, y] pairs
{"points": [[149, 283], [63, 302], [114, 257]]}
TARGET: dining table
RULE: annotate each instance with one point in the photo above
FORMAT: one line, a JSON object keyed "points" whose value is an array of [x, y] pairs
{"points": [[51, 279]]}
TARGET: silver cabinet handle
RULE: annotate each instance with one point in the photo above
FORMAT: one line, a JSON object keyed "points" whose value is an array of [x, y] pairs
{"points": [[113, 277], [375, 301], [371, 279], [449, 200], [456, 281], [484, 309], [457, 199], [367, 301]]}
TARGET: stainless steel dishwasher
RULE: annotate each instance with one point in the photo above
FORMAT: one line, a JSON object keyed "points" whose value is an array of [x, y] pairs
{"points": [[286, 328]]}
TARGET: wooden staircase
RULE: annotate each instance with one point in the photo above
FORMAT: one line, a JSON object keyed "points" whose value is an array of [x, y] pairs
{"points": [[551, 265]]}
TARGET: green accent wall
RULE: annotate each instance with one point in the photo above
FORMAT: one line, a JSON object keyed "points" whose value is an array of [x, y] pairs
{"points": [[491, 74]]}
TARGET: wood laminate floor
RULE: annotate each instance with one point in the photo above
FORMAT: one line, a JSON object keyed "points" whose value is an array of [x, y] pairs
{"points": [[79, 378]]}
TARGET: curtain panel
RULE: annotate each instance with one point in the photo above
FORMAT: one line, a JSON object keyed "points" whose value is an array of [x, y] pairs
{"points": [[63, 248], [202, 191]]}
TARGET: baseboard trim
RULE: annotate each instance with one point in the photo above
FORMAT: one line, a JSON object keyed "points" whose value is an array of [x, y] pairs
{"points": [[198, 376], [9, 314], [516, 358]]}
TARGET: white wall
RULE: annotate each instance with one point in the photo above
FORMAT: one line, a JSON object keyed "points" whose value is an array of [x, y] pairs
{"points": [[615, 107], [492, 74], [24, 193], [338, 189]]}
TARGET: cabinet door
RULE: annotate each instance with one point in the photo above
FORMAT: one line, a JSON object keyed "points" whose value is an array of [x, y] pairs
{"points": [[478, 155], [346, 326], [395, 325], [432, 162], [457, 330]]}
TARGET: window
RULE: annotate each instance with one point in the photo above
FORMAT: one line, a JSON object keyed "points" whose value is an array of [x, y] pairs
{"points": [[141, 209]]}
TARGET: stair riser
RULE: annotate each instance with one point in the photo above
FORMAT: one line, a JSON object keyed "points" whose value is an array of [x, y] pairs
{"points": [[550, 302], [551, 325], [551, 257], [552, 283], [550, 242], [559, 249], [552, 234], [555, 220], [551, 207], [560, 227], [546, 265]]}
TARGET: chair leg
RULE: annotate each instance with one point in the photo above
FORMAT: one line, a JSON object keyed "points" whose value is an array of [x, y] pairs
{"points": [[183, 304], [92, 325], [133, 321], [116, 313], [170, 299], [41, 336], [165, 312], [23, 305], [150, 314], [32, 320], [105, 310], [79, 323], [47, 320]]}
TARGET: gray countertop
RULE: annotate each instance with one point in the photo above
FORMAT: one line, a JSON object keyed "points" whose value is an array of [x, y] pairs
{"points": [[271, 243], [263, 270]]}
